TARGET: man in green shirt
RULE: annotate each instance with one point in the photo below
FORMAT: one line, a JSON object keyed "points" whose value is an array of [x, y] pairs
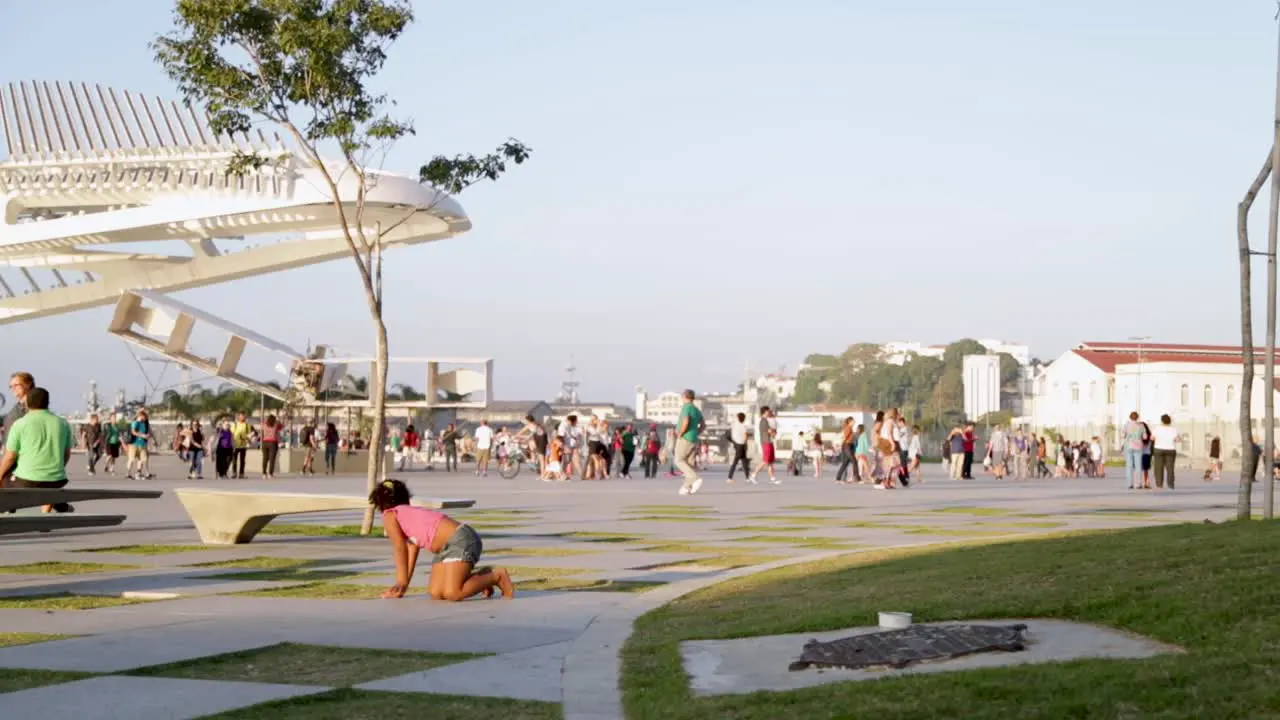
{"points": [[628, 449], [37, 448], [688, 428]]}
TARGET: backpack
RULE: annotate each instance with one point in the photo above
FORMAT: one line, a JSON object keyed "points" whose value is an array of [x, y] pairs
{"points": [[652, 447]]}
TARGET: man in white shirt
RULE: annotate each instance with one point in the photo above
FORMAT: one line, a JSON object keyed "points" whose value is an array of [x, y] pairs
{"points": [[484, 447], [1165, 441]]}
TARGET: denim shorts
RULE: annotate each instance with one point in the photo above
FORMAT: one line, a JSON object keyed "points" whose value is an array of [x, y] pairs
{"points": [[463, 546]]}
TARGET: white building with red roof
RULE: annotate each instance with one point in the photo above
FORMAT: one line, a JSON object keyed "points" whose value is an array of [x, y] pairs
{"points": [[1092, 388]]}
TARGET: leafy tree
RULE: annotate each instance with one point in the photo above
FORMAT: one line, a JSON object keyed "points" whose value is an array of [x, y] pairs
{"points": [[953, 357], [808, 388], [861, 355], [305, 65], [822, 360], [1010, 371]]}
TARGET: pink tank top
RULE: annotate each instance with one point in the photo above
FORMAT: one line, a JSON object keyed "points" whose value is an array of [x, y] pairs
{"points": [[418, 524]]}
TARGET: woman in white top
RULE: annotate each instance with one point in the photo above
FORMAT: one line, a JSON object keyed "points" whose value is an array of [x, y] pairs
{"points": [[1165, 451]]}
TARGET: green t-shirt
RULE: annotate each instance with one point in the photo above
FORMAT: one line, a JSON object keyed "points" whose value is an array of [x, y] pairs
{"points": [[628, 441], [692, 412], [112, 432], [395, 443], [41, 440]]}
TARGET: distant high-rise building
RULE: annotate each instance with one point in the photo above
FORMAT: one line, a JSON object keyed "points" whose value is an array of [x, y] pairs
{"points": [[981, 385]]}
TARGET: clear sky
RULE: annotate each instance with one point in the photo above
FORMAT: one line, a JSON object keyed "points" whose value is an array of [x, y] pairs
{"points": [[717, 183]]}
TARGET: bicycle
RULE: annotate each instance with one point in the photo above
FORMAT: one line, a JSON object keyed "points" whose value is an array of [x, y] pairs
{"points": [[510, 462]]}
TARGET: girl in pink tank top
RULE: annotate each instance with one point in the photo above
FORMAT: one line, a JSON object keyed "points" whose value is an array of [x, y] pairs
{"points": [[455, 548]]}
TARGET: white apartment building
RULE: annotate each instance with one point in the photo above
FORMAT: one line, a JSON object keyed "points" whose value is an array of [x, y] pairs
{"points": [[1091, 389], [781, 387]]}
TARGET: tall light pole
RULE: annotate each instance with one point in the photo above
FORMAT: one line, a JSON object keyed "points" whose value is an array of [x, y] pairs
{"points": [[1139, 339], [1269, 363]]}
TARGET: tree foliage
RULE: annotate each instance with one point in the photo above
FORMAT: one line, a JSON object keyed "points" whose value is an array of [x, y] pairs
{"points": [[929, 390], [306, 66]]}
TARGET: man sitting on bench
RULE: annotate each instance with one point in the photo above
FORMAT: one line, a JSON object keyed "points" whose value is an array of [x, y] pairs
{"points": [[37, 449]]}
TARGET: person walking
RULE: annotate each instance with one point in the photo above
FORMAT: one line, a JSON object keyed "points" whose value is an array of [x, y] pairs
{"points": [[970, 441], [241, 430], [1164, 440], [223, 449], [846, 451], [139, 452], [738, 438], [691, 425], [955, 441], [196, 451], [331, 441], [766, 433], [450, 439], [484, 448], [1135, 439], [649, 456], [270, 447], [307, 440], [37, 448], [1214, 471], [628, 449], [94, 443]]}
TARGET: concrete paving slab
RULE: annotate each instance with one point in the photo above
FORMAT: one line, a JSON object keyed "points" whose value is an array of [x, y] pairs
{"points": [[128, 650], [532, 674], [138, 698], [744, 665]]}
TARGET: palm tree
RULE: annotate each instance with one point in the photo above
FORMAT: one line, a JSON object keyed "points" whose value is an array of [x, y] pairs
{"points": [[405, 393]]}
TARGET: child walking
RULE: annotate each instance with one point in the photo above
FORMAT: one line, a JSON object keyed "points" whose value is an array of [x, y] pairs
{"points": [[455, 548]]}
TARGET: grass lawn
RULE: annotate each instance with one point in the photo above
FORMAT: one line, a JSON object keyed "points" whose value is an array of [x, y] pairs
{"points": [[363, 705], [152, 549], [15, 680], [323, 591], [543, 551], [603, 537], [568, 584], [292, 663], [671, 509], [317, 530], [276, 563], [1212, 589], [764, 528], [62, 568], [25, 638], [62, 601], [670, 518], [521, 572]]}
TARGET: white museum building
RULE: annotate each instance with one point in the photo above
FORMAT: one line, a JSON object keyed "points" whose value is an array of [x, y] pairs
{"points": [[1092, 388]]}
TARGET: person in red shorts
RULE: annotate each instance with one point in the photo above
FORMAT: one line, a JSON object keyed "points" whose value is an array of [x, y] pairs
{"points": [[766, 431]]}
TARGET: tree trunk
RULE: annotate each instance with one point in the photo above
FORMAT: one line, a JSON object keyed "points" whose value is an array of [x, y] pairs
{"points": [[377, 391], [1244, 493]]}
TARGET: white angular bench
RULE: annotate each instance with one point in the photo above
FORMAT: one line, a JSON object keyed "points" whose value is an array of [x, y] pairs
{"points": [[234, 517]]}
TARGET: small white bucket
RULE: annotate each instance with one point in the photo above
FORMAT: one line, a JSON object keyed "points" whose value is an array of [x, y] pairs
{"points": [[895, 620]]}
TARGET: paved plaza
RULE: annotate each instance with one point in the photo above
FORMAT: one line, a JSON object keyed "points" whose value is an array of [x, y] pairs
{"points": [[588, 558]]}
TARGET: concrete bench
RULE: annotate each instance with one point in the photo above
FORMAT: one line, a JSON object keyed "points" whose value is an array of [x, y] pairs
{"points": [[233, 517], [14, 524], [18, 498]]}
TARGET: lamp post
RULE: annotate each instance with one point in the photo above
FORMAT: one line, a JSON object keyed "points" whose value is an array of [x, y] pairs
{"points": [[1139, 339]]}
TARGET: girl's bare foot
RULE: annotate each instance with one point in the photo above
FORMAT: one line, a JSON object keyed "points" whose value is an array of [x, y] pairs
{"points": [[504, 583]]}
